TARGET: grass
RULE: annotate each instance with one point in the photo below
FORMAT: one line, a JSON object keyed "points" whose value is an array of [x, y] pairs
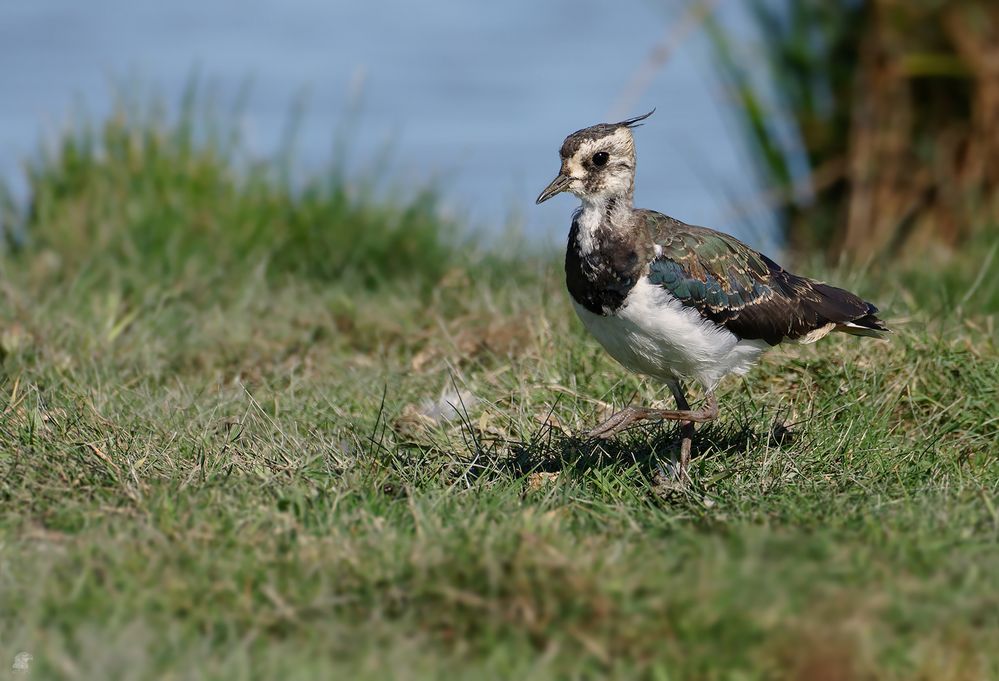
{"points": [[222, 456]]}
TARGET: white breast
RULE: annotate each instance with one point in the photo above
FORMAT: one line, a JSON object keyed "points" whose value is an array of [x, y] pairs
{"points": [[653, 334]]}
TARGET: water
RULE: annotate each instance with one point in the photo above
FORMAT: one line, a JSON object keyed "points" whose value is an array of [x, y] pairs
{"points": [[476, 95]]}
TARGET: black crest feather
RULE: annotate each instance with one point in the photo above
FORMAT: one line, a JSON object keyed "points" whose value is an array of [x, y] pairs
{"points": [[636, 121]]}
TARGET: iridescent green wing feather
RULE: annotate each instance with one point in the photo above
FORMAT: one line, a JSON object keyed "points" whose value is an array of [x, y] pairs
{"points": [[743, 290]]}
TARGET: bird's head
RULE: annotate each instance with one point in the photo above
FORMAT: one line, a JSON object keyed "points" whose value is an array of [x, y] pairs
{"points": [[598, 161]]}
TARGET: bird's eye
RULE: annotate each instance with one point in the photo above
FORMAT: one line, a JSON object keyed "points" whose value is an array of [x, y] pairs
{"points": [[600, 158]]}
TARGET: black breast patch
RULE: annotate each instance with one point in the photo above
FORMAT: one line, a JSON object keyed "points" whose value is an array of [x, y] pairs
{"points": [[600, 280]]}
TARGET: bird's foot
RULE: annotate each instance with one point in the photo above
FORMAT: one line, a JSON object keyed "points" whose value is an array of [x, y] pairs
{"points": [[619, 421], [629, 415]]}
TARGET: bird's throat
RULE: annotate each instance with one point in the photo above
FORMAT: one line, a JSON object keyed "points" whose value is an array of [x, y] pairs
{"points": [[600, 214]]}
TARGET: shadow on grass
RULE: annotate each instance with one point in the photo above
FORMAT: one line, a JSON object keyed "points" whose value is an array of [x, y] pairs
{"points": [[551, 450], [649, 448]]}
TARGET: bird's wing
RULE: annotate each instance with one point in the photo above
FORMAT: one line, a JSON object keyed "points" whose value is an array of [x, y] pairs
{"points": [[743, 290]]}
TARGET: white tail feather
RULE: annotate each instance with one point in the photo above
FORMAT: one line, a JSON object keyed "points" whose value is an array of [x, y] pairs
{"points": [[858, 330]]}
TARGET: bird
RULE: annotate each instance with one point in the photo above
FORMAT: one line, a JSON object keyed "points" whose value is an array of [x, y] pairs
{"points": [[676, 302]]}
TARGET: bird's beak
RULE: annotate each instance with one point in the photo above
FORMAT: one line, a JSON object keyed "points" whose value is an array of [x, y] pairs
{"points": [[557, 186]]}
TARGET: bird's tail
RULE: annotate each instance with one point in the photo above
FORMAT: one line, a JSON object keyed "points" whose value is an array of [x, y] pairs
{"points": [[850, 313], [868, 325], [875, 329]]}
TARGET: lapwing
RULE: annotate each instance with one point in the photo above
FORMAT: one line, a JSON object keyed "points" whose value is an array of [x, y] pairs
{"points": [[675, 302]]}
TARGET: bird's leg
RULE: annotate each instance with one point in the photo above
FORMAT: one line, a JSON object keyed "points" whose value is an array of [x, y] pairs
{"points": [[686, 427], [630, 415]]}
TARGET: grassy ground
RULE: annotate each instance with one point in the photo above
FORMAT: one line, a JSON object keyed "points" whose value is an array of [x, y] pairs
{"points": [[224, 453]]}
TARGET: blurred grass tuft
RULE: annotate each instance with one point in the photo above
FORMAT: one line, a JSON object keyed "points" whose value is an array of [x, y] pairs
{"points": [[160, 196]]}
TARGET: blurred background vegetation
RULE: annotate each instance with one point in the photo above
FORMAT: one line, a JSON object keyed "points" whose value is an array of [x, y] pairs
{"points": [[892, 109]]}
